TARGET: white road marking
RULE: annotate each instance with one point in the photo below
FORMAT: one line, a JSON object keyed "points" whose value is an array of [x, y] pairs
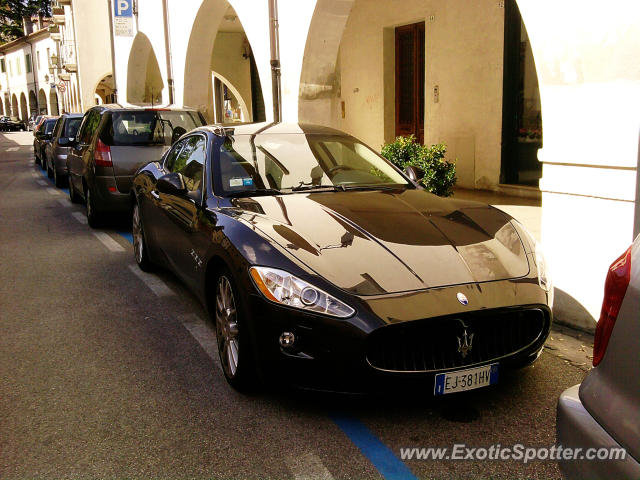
{"points": [[52, 191], [203, 333], [41, 182], [307, 467], [81, 217], [108, 242], [156, 285], [64, 202], [13, 149]]}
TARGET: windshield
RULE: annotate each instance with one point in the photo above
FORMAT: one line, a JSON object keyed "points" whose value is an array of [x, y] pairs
{"points": [[71, 127], [146, 127], [48, 126], [299, 162]]}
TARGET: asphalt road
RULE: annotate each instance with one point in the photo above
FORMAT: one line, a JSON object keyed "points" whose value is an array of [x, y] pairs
{"points": [[107, 373]]}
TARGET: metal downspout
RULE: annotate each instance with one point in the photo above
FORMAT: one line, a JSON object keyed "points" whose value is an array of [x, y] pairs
{"points": [[274, 38], [167, 48], [113, 56]]}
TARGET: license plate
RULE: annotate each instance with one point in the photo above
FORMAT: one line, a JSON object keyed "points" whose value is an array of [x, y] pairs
{"points": [[462, 380]]}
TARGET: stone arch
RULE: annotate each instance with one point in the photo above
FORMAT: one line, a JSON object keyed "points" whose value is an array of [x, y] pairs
{"points": [[144, 79], [42, 102], [24, 107], [33, 102], [7, 105], [14, 105], [1, 108], [218, 32], [104, 89], [318, 82], [53, 102]]}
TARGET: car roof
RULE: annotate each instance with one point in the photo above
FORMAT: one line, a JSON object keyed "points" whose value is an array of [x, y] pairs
{"points": [[116, 107], [272, 128]]}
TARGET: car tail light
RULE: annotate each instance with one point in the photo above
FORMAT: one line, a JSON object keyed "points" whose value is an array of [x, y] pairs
{"points": [[615, 288], [102, 155]]}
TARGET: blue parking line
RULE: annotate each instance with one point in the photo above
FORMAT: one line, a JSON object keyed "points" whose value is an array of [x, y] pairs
{"points": [[381, 456], [44, 174], [127, 236]]}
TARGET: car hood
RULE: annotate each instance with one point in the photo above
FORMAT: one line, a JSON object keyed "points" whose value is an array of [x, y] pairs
{"points": [[375, 242]]}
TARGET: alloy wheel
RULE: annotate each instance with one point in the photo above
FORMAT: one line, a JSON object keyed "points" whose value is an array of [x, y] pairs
{"points": [[138, 241], [227, 327]]}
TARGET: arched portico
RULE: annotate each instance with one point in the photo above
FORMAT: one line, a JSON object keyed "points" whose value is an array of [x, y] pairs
{"points": [[219, 42], [53, 102], [144, 80], [24, 107], [7, 105], [33, 102], [42, 103], [14, 106]]}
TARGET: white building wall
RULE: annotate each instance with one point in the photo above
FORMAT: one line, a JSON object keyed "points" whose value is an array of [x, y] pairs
{"points": [[590, 93]]}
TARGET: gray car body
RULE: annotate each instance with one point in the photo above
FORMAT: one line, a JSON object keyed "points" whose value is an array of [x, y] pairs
{"points": [[604, 410], [56, 154], [110, 186]]}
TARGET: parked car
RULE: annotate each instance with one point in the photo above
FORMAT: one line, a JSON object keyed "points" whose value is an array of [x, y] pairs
{"points": [[57, 149], [33, 121], [41, 137], [113, 141], [11, 124], [603, 411], [325, 266]]}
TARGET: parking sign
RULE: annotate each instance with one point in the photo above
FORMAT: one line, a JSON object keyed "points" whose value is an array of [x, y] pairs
{"points": [[123, 18]]}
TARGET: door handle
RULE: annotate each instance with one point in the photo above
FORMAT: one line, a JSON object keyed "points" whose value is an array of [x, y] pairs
{"points": [[155, 194]]}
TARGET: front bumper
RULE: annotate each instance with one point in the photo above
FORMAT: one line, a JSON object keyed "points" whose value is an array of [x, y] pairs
{"points": [[336, 354], [576, 428]]}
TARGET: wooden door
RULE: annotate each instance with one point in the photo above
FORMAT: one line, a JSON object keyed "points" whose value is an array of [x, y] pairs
{"points": [[410, 72]]}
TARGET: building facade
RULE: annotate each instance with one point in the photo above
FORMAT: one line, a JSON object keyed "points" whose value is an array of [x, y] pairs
{"points": [[26, 84], [532, 97]]}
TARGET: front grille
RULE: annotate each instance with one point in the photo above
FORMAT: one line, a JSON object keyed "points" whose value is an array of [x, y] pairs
{"points": [[433, 344]]}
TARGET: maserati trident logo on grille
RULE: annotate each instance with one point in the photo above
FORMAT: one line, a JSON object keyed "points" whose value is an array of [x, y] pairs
{"points": [[462, 298], [465, 343]]}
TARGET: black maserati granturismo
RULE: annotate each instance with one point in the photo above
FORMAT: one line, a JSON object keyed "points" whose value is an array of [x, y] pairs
{"points": [[323, 265]]}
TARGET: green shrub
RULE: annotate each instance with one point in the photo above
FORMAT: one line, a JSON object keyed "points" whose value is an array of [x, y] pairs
{"points": [[439, 173], [403, 152]]}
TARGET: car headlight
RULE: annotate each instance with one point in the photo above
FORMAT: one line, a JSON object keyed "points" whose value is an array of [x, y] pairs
{"points": [[286, 289], [544, 279]]}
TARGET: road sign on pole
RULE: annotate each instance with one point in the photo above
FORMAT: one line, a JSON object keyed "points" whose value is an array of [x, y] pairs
{"points": [[123, 18], [62, 87]]}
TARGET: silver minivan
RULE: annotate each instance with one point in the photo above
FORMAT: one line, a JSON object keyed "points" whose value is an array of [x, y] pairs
{"points": [[601, 416], [56, 151], [112, 142]]}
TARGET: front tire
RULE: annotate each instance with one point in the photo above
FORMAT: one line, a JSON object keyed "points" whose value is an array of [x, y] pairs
{"points": [[93, 217], [57, 179], [73, 196], [234, 346], [139, 241]]}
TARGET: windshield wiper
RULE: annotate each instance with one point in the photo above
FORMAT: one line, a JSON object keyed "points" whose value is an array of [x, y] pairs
{"points": [[256, 193], [372, 187], [303, 187]]}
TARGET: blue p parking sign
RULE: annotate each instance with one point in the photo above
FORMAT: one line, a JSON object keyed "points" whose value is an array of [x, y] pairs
{"points": [[124, 8], [123, 18]]}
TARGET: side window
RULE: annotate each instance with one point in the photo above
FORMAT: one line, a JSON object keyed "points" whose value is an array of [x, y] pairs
{"points": [[190, 162], [89, 125], [58, 127], [171, 157]]}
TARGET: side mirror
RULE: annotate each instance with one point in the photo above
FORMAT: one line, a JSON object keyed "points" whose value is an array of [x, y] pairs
{"points": [[171, 184], [64, 141], [414, 173]]}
